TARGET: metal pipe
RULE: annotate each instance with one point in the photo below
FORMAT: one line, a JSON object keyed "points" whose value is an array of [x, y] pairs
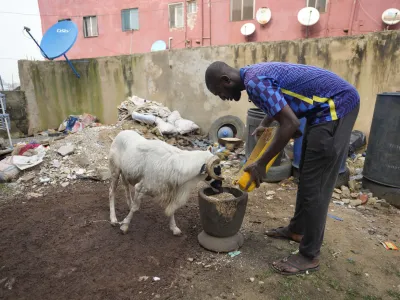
{"points": [[202, 22], [353, 10], [209, 13], [169, 43], [185, 20]]}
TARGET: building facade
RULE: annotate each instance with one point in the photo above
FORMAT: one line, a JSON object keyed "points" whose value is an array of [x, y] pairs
{"points": [[117, 27]]}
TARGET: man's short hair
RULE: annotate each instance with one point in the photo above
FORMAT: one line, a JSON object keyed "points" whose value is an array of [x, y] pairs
{"points": [[214, 71]]}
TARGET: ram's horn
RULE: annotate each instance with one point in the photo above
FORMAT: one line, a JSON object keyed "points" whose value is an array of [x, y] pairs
{"points": [[211, 163]]}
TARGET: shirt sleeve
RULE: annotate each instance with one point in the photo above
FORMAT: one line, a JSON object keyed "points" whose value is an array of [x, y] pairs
{"points": [[267, 94]]}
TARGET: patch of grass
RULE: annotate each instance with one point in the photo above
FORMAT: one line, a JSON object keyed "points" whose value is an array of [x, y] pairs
{"points": [[371, 298], [394, 294], [334, 284], [266, 274], [352, 294]]}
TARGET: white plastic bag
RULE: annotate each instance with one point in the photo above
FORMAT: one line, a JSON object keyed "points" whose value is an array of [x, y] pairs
{"points": [[173, 117], [8, 171], [144, 118], [164, 127], [185, 126]]}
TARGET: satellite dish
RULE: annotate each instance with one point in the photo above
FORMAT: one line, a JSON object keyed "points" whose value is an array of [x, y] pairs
{"points": [[248, 29], [308, 16], [263, 15], [391, 16], [58, 40], [158, 46]]}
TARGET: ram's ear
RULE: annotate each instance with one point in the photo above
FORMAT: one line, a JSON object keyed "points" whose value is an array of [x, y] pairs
{"points": [[210, 149]]}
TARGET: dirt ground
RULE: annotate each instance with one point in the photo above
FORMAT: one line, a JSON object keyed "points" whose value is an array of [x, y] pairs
{"points": [[61, 246]]}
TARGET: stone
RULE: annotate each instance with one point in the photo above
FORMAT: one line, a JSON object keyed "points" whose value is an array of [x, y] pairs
{"points": [[336, 196], [385, 204], [27, 177], [66, 150], [337, 191], [345, 191], [354, 195], [346, 201], [251, 279], [64, 184], [82, 161], [261, 282], [355, 202], [360, 207], [352, 185], [33, 195], [143, 278], [56, 163], [363, 198], [372, 201], [191, 259], [103, 173], [270, 193]]}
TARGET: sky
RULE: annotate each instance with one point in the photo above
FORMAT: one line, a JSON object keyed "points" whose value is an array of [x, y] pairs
{"points": [[14, 42]]}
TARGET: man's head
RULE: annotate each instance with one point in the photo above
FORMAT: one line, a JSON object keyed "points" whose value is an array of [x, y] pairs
{"points": [[224, 81]]}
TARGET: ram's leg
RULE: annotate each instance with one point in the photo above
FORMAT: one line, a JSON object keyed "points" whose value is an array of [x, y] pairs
{"points": [[115, 172], [181, 199], [172, 225], [139, 194], [127, 189]]}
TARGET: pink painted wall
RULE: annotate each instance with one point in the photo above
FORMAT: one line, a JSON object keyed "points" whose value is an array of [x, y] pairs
{"points": [[153, 22]]}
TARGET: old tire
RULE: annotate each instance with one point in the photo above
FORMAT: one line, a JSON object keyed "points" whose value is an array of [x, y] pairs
{"points": [[279, 173], [343, 178], [233, 122]]}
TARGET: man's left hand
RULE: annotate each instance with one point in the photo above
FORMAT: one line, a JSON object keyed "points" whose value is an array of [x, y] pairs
{"points": [[257, 173]]}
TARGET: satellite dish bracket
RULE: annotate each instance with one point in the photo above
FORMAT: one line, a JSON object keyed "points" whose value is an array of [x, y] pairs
{"points": [[27, 29]]}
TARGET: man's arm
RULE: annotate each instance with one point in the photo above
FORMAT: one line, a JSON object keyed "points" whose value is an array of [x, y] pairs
{"points": [[289, 124]]}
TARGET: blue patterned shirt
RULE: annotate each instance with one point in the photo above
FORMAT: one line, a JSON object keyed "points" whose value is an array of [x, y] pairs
{"points": [[316, 94]]}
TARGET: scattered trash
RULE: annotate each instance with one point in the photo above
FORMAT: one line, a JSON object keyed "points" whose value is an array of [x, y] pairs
{"points": [[261, 282], [44, 179], [156, 278], [33, 195], [251, 279], [357, 141], [8, 171], [234, 253], [143, 278], [66, 150], [389, 245], [338, 202], [335, 217], [295, 252], [9, 284], [74, 124], [355, 203]]}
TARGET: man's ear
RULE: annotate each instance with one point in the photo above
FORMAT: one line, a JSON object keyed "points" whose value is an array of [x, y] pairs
{"points": [[225, 79]]}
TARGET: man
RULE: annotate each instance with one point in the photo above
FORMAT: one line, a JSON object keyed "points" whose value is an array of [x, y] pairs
{"points": [[286, 93]]}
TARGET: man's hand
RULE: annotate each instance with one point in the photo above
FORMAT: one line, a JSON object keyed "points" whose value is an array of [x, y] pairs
{"points": [[257, 173]]}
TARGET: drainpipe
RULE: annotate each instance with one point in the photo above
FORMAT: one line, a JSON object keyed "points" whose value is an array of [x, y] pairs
{"points": [[202, 22], [169, 43], [209, 12], [185, 20], [353, 10]]}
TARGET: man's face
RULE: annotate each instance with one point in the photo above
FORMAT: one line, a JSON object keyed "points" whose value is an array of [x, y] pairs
{"points": [[226, 89]]}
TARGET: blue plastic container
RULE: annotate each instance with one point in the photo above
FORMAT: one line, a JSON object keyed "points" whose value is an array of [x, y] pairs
{"points": [[297, 149]]}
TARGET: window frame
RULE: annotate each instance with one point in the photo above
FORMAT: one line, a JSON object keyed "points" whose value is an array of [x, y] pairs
{"points": [[130, 16], [190, 3], [169, 15], [241, 11], [316, 2], [91, 26]]}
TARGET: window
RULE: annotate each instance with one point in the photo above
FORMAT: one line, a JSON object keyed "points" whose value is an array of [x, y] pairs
{"points": [[242, 10], [90, 26], [130, 19], [191, 7], [318, 4], [175, 12]]}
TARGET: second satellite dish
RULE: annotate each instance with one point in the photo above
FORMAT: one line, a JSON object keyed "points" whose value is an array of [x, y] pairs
{"points": [[391, 16], [308, 16], [263, 15], [248, 29], [159, 45]]}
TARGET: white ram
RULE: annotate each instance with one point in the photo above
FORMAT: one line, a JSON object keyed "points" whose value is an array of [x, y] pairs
{"points": [[158, 170]]}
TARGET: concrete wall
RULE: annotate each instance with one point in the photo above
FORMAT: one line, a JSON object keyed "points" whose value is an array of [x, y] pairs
{"points": [[18, 111], [176, 78], [210, 25]]}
